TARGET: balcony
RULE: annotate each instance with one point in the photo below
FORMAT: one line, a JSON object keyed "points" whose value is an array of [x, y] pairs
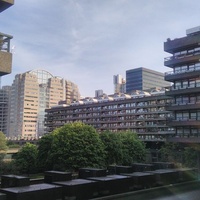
{"points": [[179, 60], [182, 74], [175, 45], [4, 4], [183, 139], [183, 106], [183, 90], [5, 54], [183, 122]]}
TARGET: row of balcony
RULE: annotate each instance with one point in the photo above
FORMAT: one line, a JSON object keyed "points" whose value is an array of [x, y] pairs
{"points": [[177, 60], [178, 90]]}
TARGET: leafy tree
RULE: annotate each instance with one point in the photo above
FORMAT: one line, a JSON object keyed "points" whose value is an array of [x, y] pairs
{"points": [[133, 149], [113, 147], [3, 145], [76, 145], [44, 153], [173, 152], [190, 156], [26, 158], [123, 148]]}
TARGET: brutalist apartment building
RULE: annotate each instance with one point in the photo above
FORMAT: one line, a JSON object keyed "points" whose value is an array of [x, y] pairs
{"points": [[142, 112], [185, 90]]}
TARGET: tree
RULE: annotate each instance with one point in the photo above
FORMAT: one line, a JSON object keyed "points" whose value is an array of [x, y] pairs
{"points": [[26, 158], [133, 149], [3, 145], [191, 156], [113, 147], [123, 148], [172, 152], [44, 159], [76, 145]]}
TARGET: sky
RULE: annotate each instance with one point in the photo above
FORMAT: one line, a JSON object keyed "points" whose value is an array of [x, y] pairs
{"points": [[89, 41]]}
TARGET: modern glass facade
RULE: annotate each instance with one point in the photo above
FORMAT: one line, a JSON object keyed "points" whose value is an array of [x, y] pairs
{"points": [[144, 79]]}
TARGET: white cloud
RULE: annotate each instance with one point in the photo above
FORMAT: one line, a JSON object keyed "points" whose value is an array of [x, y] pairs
{"points": [[89, 41]]}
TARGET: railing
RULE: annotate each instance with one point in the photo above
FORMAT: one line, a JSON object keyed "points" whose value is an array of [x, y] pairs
{"points": [[5, 42], [182, 56], [183, 119], [193, 85], [182, 71]]}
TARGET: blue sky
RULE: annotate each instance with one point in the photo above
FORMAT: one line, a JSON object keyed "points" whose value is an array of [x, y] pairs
{"points": [[89, 41]]}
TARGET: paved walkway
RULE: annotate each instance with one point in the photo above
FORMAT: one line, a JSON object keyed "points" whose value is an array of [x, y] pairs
{"points": [[184, 191]]}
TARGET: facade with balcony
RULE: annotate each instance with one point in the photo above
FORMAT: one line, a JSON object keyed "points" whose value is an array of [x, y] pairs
{"points": [[5, 54], [185, 89], [142, 112]]}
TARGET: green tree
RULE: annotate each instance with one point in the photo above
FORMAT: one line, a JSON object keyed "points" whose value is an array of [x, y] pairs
{"points": [[123, 148], [76, 145], [133, 149], [190, 157], [172, 152], [3, 145], [26, 158], [113, 147], [44, 159]]}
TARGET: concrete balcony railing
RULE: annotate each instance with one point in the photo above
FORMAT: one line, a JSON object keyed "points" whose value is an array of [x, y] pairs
{"points": [[4, 4], [5, 54]]}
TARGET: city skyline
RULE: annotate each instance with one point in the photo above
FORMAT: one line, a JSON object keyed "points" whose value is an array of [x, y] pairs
{"points": [[88, 42]]}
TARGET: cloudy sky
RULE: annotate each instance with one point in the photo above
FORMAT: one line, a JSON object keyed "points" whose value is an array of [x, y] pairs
{"points": [[89, 41]]}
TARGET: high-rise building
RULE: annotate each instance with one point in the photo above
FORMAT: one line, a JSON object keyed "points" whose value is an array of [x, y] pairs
{"points": [[32, 92], [119, 84], [72, 92], [4, 109], [185, 77], [144, 79]]}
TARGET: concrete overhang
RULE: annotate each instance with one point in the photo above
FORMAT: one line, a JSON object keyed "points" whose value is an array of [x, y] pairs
{"points": [[4, 4]]}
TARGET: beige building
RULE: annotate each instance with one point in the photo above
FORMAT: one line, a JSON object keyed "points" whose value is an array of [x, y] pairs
{"points": [[32, 92]]}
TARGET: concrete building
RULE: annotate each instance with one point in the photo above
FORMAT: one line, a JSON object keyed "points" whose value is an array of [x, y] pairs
{"points": [[4, 109], [32, 92], [141, 112], [5, 68], [185, 77], [5, 54], [143, 79], [119, 84]]}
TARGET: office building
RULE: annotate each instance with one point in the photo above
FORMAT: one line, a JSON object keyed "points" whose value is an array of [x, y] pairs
{"points": [[119, 84], [4, 109], [185, 77], [31, 93], [143, 79], [142, 112]]}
